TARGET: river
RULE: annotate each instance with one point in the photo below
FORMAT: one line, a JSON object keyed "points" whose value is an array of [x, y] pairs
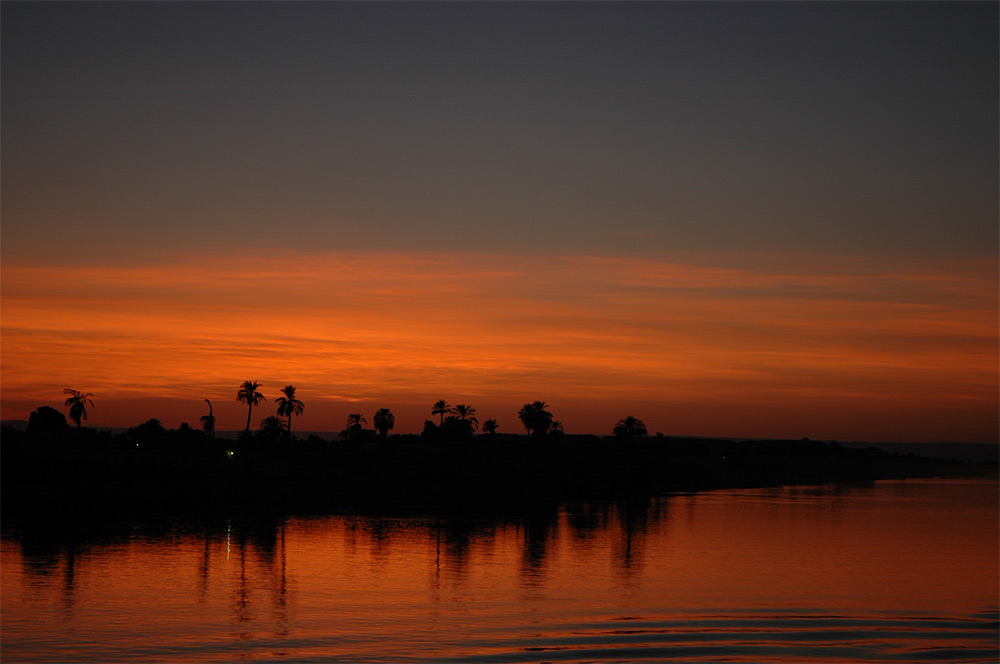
{"points": [[900, 571]]}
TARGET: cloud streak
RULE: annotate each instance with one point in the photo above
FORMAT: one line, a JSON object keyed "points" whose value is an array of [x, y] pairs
{"points": [[790, 337]]}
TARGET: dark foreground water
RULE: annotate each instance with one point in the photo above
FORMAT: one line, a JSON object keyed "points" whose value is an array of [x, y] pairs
{"points": [[900, 571]]}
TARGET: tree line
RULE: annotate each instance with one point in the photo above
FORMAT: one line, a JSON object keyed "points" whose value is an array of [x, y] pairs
{"points": [[454, 421], [53, 466]]}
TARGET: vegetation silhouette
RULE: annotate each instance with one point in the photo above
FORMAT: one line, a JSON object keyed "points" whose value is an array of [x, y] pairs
{"points": [[288, 404], [272, 427], [535, 417], [150, 431], [467, 414], [455, 428], [442, 408], [383, 421], [629, 428], [46, 422], [208, 421], [250, 395], [78, 402], [431, 430], [53, 466], [354, 429]]}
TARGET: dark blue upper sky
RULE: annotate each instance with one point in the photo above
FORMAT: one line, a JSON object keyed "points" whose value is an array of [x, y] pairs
{"points": [[861, 128]]}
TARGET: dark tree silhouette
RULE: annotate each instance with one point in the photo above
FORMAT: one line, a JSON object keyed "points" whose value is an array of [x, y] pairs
{"points": [[271, 427], [490, 426], [442, 408], [150, 431], [455, 427], [250, 395], [383, 421], [354, 422], [288, 404], [525, 416], [467, 414], [208, 421], [535, 418], [629, 427], [78, 402], [47, 422]]}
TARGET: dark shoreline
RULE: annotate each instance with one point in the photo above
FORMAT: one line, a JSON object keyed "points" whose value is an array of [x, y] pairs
{"points": [[86, 472]]}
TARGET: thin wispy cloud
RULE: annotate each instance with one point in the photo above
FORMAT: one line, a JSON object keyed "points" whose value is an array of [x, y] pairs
{"points": [[401, 326]]}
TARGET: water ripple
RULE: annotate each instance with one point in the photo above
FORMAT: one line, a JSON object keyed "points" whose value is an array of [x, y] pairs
{"points": [[757, 638]]}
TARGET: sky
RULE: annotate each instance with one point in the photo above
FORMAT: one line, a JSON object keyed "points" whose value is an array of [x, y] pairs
{"points": [[726, 219]]}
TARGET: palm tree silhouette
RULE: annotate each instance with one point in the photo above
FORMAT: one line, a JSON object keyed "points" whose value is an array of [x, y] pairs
{"points": [[354, 421], [467, 414], [77, 403], [490, 427], [208, 421], [629, 427], [525, 416], [272, 427], [250, 395], [535, 418], [442, 408], [383, 421], [288, 404]]}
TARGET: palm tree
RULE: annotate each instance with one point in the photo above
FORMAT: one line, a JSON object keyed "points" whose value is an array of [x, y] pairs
{"points": [[383, 421], [535, 418], [442, 408], [288, 404], [250, 395], [272, 427], [354, 421], [525, 416], [208, 421], [467, 414], [77, 403], [629, 427], [490, 427]]}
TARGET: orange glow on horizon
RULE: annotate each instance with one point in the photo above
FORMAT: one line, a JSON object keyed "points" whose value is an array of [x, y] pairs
{"points": [[861, 351]]}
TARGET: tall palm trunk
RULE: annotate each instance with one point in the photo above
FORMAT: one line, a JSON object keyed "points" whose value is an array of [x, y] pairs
{"points": [[211, 418], [249, 413]]}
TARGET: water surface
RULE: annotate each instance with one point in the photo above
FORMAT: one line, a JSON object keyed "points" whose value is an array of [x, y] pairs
{"points": [[902, 571]]}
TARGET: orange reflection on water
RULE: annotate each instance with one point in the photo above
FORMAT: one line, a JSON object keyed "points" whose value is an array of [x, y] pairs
{"points": [[794, 574]]}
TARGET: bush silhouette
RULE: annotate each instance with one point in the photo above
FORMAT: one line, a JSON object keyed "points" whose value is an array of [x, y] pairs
{"points": [[47, 422]]}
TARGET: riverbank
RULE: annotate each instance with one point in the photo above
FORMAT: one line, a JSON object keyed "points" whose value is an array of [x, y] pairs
{"points": [[188, 472]]}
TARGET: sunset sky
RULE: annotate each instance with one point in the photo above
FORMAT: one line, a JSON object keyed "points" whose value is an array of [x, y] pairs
{"points": [[732, 219]]}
